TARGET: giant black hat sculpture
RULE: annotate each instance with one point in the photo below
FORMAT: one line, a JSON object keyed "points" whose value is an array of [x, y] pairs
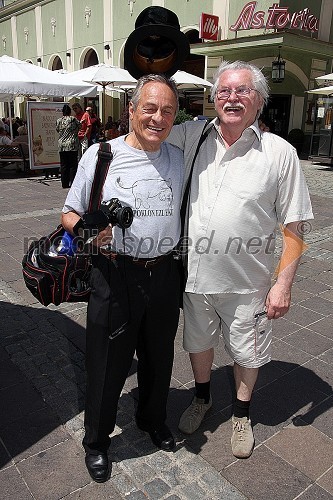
{"points": [[156, 45]]}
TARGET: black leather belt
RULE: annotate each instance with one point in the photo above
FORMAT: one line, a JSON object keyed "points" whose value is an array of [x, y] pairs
{"points": [[134, 260]]}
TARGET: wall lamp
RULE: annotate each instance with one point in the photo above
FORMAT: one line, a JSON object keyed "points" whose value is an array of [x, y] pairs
{"points": [[278, 69], [68, 54], [107, 46], [39, 59]]}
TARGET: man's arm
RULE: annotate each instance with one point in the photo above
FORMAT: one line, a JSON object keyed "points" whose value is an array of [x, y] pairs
{"points": [[70, 219], [279, 296]]}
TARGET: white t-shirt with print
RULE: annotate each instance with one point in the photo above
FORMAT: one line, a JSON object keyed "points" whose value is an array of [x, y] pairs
{"points": [[148, 182]]}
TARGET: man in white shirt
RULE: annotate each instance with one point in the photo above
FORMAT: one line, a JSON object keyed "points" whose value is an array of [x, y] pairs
{"points": [[245, 182]]}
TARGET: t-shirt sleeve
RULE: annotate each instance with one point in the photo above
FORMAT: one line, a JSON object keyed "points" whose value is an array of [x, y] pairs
{"points": [[79, 194]]}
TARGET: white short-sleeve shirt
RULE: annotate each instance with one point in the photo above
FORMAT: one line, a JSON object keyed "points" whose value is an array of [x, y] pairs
{"points": [[238, 196]]}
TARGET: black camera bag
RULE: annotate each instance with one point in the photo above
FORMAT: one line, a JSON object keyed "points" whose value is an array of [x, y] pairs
{"points": [[64, 278]]}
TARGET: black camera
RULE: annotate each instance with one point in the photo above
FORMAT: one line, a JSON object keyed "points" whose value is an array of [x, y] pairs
{"points": [[117, 214], [110, 212]]}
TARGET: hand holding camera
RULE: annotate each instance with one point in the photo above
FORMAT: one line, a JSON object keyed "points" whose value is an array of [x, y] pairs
{"points": [[110, 212], [96, 226]]}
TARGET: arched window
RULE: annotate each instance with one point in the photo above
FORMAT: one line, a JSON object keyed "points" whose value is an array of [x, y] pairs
{"points": [[57, 63], [90, 59]]}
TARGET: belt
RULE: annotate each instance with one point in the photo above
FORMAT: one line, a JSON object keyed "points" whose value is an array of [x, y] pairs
{"points": [[134, 260]]}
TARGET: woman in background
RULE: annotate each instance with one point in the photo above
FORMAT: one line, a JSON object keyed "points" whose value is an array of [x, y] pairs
{"points": [[68, 145]]}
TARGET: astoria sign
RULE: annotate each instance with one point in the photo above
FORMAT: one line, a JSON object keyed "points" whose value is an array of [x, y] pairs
{"points": [[276, 17]]}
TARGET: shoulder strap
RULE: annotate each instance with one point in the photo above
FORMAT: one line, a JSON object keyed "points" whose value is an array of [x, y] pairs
{"points": [[204, 134], [104, 157]]}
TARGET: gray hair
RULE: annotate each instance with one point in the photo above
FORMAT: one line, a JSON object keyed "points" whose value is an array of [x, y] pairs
{"points": [[259, 80], [153, 78]]}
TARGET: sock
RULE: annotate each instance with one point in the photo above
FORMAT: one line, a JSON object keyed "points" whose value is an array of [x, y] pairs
{"points": [[202, 391], [241, 408]]}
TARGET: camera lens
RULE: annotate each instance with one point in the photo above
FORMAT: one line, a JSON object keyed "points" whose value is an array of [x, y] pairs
{"points": [[125, 217]]}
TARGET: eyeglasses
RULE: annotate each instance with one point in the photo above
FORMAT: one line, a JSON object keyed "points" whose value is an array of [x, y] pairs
{"points": [[225, 93]]}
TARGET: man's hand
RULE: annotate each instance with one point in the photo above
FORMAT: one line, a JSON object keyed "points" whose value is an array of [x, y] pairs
{"points": [[278, 301], [104, 237]]}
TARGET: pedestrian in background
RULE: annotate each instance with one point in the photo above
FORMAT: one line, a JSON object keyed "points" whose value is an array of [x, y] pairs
{"points": [[23, 139], [77, 108], [95, 126], [85, 130], [112, 132], [68, 145]]}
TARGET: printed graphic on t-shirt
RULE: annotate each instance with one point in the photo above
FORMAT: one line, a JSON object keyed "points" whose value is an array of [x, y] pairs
{"points": [[152, 197]]}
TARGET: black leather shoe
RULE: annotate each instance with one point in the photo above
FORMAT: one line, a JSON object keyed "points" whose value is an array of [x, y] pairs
{"points": [[161, 436], [98, 467]]}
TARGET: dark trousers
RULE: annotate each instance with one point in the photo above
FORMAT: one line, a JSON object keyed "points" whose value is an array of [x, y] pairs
{"points": [[143, 303], [68, 167]]}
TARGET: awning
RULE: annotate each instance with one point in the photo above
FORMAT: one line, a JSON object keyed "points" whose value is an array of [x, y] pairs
{"points": [[256, 43]]}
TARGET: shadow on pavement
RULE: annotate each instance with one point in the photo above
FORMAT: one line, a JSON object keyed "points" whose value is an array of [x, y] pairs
{"points": [[289, 393], [42, 384], [41, 377]]}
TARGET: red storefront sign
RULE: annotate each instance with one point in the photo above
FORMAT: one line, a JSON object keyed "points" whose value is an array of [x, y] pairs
{"points": [[276, 17], [209, 27]]}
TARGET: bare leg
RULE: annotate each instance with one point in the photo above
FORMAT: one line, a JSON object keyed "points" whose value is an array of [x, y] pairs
{"points": [[202, 365], [245, 379]]}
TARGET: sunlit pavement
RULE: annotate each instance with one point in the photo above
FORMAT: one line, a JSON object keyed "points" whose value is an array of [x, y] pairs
{"points": [[42, 384]]}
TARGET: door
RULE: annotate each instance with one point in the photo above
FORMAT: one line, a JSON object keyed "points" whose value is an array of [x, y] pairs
{"points": [[278, 113]]}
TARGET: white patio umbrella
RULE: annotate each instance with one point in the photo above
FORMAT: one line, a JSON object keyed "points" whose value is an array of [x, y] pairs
{"points": [[186, 80], [322, 90], [22, 78], [72, 76], [183, 80], [104, 75], [325, 77]]}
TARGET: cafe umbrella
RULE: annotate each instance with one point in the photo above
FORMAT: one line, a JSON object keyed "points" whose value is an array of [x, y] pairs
{"points": [[106, 76]]}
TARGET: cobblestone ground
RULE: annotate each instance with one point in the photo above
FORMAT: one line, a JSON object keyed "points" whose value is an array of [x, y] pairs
{"points": [[47, 344]]}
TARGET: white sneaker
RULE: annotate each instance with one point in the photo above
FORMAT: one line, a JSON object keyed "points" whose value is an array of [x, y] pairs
{"points": [[242, 439], [193, 415]]}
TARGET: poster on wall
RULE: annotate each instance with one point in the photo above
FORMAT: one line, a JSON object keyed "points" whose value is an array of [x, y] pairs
{"points": [[43, 137]]}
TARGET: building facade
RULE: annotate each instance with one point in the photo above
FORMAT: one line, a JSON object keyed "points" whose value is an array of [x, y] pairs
{"points": [[73, 34]]}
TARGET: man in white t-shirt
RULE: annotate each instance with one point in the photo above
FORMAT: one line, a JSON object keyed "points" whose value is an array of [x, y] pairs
{"points": [[134, 304], [245, 183]]}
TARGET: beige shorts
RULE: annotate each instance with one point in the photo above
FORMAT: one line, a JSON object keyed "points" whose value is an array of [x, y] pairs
{"points": [[239, 318]]}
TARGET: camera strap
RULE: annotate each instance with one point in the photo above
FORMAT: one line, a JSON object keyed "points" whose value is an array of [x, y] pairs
{"points": [[186, 196], [104, 158]]}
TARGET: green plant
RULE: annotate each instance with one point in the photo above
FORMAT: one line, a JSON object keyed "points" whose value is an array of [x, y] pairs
{"points": [[182, 116]]}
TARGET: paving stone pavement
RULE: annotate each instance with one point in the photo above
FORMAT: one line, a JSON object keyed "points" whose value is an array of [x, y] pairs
{"points": [[42, 383]]}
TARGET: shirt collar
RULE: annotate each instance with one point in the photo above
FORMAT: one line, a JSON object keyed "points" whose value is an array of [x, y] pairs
{"points": [[254, 127]]}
